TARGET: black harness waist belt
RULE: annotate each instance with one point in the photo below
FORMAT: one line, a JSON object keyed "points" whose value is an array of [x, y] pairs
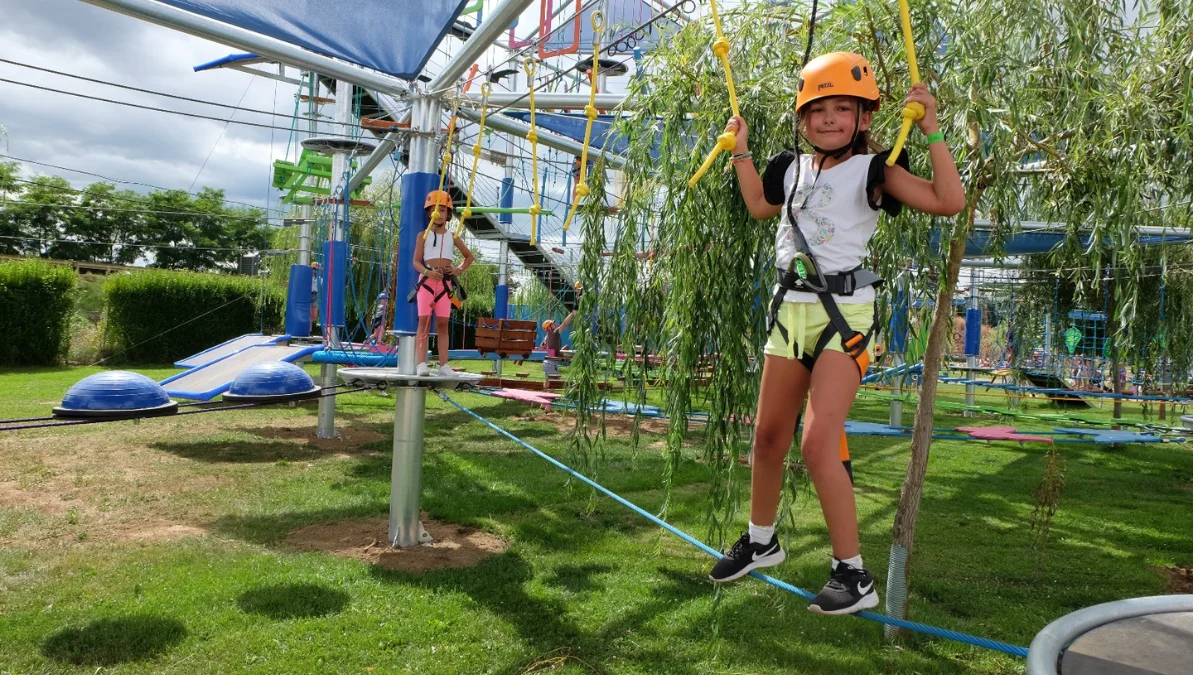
{"points": [[449, 285], [854, 343]]}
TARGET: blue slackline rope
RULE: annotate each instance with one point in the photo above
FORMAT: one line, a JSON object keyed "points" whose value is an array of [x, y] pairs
{"points": [[881, 618]]}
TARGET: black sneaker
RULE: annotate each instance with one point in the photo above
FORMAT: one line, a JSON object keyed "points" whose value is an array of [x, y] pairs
{"points": [[849, 590], [744, 556]]}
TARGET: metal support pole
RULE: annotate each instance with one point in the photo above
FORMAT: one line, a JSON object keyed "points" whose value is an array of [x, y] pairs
{"points": [[408, 450], [408, 444], [344, 100], [306, 210], [895, 411], [972, 360]]}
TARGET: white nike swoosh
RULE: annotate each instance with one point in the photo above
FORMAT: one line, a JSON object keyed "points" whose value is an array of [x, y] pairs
{"points": [[864, 591], [756, 557]]}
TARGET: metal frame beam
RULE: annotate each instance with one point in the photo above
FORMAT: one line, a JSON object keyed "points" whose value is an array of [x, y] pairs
{"points": [[519, 100], [511, 126]]}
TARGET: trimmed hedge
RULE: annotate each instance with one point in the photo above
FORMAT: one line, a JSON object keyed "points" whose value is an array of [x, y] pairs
{"points": [[36, 303], [158, 316]]}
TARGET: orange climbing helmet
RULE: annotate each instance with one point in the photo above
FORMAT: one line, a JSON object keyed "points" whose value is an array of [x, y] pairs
{"points": [[547, 324], [439, 198], [838, 74]]}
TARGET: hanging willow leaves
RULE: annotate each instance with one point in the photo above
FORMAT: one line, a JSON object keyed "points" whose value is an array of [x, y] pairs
{"points": [[1063, 114], [1046, 498], [586, 448]]}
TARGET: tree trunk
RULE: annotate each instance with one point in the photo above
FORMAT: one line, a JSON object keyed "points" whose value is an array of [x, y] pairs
{"points": [[905, 526]]}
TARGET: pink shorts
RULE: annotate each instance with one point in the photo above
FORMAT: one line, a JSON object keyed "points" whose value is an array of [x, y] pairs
{"points": [[426, 305]]}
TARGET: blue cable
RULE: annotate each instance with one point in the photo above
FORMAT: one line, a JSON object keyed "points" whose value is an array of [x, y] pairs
{"points": [[881, 618]]}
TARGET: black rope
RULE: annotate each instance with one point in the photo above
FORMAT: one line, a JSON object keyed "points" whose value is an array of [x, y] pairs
{"points": [[239, 406]]}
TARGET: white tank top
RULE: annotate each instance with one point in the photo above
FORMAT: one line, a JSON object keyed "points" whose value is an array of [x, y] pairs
{"points": [[439, 245], [838, 222]]}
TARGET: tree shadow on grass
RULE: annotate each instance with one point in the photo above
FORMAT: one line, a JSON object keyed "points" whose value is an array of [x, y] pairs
{"points": [[241, 452], [578, 578], [293, 601], [108, 642]]}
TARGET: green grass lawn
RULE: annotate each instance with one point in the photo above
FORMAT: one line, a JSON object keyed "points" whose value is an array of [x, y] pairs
{"points": [[158, 547]]}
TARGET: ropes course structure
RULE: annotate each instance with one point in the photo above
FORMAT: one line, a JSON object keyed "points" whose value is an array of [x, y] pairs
{"points": [[677, 278]]}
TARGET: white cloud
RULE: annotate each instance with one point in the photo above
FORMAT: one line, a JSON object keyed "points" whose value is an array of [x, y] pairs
{"points": [[127, 143]]}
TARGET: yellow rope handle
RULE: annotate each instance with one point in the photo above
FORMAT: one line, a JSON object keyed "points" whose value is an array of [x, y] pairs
{"points": [[913, 111], [726, 141], [446, 158], [532, 137], [485, 90], [581, 190]]}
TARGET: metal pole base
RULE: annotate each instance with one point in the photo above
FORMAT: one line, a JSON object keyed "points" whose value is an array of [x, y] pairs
{"points": [[408, 450], [325, 406], [972, 363]]}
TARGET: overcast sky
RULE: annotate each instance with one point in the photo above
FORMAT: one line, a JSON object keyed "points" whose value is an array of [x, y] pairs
{"points": [[126, 143]]}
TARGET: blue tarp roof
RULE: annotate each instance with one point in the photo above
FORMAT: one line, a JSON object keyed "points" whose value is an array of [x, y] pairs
{"points": [[395, 37]]}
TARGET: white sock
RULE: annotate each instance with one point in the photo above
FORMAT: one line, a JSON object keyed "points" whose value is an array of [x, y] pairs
{"points": [[761, 535], [855, 562]]}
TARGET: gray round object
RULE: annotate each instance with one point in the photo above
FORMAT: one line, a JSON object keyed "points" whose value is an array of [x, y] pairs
{"points": [[608, 67], [332, 145], [390, 376], [1139, 636]]}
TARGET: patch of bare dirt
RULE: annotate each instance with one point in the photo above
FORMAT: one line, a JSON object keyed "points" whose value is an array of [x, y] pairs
{"points": [[350, 437], [155, 531], [13, 496], [1179, 579], [366, 539]]}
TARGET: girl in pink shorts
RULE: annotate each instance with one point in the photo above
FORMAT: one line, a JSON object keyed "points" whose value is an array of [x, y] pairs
{"points": [[433, 258]]}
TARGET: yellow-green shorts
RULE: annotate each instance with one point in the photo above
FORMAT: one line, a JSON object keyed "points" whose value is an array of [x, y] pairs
{"points": [[804, 323]]}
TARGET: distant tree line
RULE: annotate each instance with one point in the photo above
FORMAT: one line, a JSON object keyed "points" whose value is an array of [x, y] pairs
{"points": [[44, 216]]}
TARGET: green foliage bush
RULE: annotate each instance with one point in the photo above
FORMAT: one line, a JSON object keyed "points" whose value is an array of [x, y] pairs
{"points": [[36, 303], [158, 316]]}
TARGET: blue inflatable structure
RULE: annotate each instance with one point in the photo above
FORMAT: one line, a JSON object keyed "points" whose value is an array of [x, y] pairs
{"points": [[115, 394], [272, 382]]}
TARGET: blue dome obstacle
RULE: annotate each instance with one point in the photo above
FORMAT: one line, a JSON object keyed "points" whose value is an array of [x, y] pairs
{"points": [[272, 382], [115, 394]]}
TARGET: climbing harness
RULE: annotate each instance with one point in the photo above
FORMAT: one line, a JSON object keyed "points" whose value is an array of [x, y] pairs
{"points": [[806, 274]]}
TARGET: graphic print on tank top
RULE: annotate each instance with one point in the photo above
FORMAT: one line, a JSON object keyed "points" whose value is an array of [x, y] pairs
{"points": [[821, 199]]}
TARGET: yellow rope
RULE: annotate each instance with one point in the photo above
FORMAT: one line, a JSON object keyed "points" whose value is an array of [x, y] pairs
{"points": [[485, 90], [913, 111], [532, 137], [726, 141], [581, 190], [437, 209]]}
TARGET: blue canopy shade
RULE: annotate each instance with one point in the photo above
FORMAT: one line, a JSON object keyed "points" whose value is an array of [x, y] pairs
{"points": [[573, 125], [395, 37], [1027, 243]]}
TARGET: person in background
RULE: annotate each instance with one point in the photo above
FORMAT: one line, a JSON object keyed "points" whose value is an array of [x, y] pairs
{"points": [[552, 343], [377, 327]]}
